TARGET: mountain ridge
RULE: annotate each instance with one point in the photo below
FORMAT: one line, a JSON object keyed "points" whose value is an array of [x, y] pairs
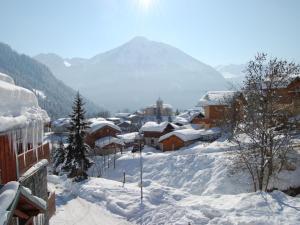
{"points": [[53, 95], [136, 73]]}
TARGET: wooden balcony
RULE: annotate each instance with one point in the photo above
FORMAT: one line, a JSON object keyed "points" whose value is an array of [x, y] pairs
{"points": [[29, 158]]}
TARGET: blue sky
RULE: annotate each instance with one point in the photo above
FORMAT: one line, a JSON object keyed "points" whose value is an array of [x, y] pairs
{"points": [[213, 31]]}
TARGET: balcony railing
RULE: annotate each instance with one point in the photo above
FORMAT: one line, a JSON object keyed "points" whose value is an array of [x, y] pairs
{"points": [[30, 157]]}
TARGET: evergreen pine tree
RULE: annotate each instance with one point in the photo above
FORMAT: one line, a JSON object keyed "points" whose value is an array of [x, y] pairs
{"points": [[59, 156], [76, 162]]}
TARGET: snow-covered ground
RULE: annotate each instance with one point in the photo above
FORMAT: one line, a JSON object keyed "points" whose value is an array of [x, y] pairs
{"points": [[194, 185]]}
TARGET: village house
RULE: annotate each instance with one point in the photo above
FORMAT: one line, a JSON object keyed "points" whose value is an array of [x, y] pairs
{"points": [[196, 118], [184, 137], [24, 157], [102, 137], [152, 131], [129, 139], [108, 145], [290, 96], [159, 111], [215, 104], [127, 126]]}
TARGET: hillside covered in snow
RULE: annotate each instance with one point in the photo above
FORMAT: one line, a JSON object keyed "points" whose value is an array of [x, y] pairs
{"points": [[195, 185], [146, 67], [53, 95]]}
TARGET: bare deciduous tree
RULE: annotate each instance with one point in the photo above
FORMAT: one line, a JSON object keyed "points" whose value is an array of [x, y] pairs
{"points": [[262, 133]]}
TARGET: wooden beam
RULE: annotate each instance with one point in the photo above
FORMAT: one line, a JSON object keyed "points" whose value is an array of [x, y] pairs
{"points": [[21, 214], [30, 221]]}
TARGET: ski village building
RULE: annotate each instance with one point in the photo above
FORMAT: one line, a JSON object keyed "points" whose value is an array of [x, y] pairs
{"points": [[164, 111], [24, 197], [214, 104], [102, 137], [152, 131], [185, 137], [290, 96]]}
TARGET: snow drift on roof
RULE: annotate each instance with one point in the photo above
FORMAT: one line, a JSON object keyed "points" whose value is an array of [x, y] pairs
{"points": [[215, 98], [189, 134], [8, 194], [156, 127], [6, 78], [18, 107], [98, 124], [102, 142], [129, 137], [61, 122]]}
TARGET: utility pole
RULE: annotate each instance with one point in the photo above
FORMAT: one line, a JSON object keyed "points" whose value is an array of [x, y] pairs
{"points": [[141, 167]]}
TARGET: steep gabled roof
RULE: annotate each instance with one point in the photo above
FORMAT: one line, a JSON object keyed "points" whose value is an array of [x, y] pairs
{"points": [[97, 125], [156, 127], [216, 98], [102, 142]]}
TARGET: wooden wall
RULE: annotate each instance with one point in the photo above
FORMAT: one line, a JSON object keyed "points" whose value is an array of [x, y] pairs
{"points": [[103, 132], [8, 170], [172, 143]]}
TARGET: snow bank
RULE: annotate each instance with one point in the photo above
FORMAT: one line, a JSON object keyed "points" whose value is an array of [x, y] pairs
{"points": [[18, 107], [215, 98], [166, 205]]}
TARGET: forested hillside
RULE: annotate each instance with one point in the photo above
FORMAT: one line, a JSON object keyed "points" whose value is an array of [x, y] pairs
{"points": [[53, 94]]}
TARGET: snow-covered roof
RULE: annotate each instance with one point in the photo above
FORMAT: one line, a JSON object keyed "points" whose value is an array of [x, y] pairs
{"points": [[61, 122], [98, 124], [6, 78], [180, 120], [34, 168], [156, 127], [186, 117], [18, 106], [185, 134], [102, 142], [122, 115], [189, 134], [93, 120], [9, 194], [129, 137], [125, 122], [215, 98]]}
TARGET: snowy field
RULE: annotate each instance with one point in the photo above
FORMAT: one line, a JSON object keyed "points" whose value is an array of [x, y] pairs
{"points": [[193, 185]]}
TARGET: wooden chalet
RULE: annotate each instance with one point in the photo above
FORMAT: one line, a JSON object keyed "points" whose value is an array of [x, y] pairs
{"points": [[108, 145], [290, 96], [215, 104], [23, 154], [152, 131], [99, 130], [185, 137], [196, 118], [127, 126]]}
